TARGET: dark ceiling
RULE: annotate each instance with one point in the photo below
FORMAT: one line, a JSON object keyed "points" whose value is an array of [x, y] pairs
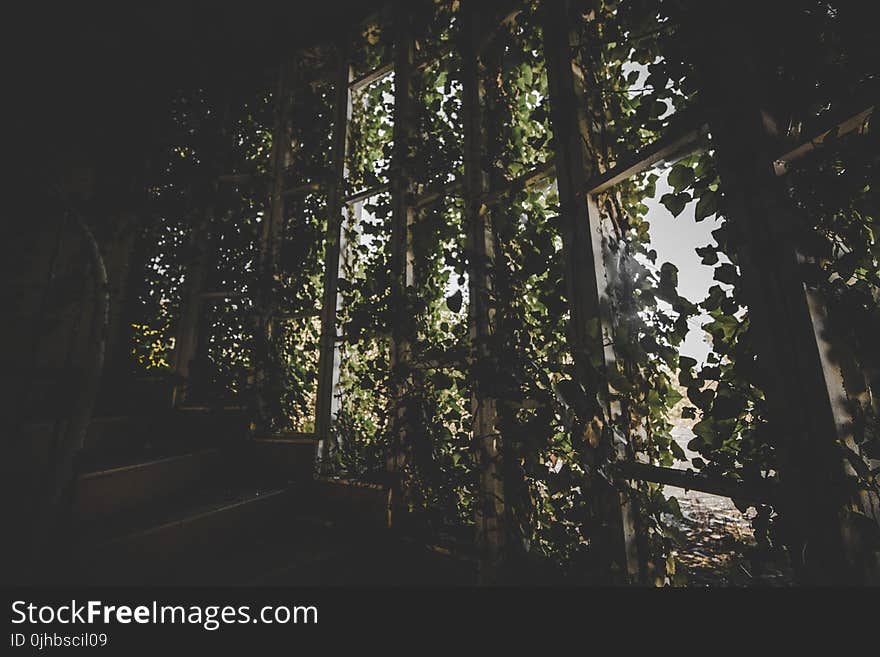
{"points": [[87, 75]]}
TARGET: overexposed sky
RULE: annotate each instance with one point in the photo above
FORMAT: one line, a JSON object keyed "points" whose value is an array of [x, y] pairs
{"points": [[674, 239]]}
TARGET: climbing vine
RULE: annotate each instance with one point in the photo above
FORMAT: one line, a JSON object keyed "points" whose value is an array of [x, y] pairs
{"points": [[637, 61]]}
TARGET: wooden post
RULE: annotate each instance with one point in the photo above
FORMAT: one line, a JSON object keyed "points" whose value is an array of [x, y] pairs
{"points": [[610, 273], [125, 264], [186, 336], [490, 509], [584, 265], [328, 359], [799, 364], [270, 251], [403, 215], [272, 233]]}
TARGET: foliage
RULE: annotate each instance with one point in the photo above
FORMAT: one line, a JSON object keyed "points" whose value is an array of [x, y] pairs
{"points": [[638, 60]]}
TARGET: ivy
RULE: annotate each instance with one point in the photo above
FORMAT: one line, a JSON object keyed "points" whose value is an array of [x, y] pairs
{"points": [[637, 60]]}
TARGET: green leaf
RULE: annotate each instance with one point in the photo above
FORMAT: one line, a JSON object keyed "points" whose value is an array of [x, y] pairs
{"points": [[705, 429], [707, 205], [454, 302], [681, 177], [726, 273], [675, 202], [686, 362], [442, 380], [668, 282], [677, 451], [709, 254]]}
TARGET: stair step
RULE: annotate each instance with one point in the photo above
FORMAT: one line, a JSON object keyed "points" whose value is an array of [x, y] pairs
{"points": [[104, 492], [166, 538], [145, 511], [286, 457], [280, 545], [265, 543], [350, 555], [204, 505]]}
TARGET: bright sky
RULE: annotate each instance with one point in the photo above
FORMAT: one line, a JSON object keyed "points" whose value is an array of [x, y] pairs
{"points": [[674, 239]]}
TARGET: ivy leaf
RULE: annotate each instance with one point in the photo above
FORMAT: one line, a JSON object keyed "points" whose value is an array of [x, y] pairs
{"points": [[677, 451], [668, 282], [728, 406], [571, 395], [618, 381], [687, 363], [681, 177], [707, 205], [709, 254], [534, 262], [651, 186], [675, 202], [442, 381], [701, 398], [454, 302], [705, 429], [726, 273]]}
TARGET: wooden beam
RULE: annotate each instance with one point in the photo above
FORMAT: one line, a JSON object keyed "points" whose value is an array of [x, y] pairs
{"points": [[529, 179], [441, 52], [305, 188], [490, 510], [840, 367], [782, 163], [221, 294], [369, 78], [402, 218], [271, 238], [582, 255], [797, 357], [186, 336], [455, 188], [689, 480], [366, 194], [678, 141], [385, 70], [436, 194], [328, 358]]}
